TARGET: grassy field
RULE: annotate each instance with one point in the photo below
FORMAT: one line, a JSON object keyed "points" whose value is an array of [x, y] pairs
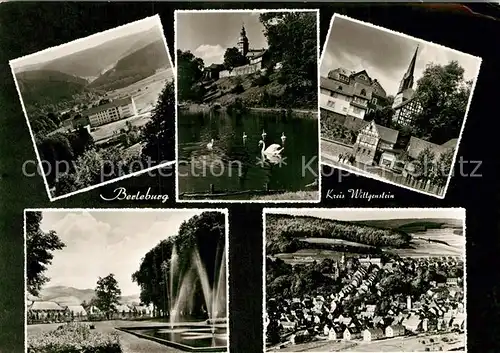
{"points": [[333, 242], [421, 247], [145, 92], [305, 256]]}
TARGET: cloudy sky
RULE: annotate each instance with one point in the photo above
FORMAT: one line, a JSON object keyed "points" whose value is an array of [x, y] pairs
{"points": [[208, 35], [363, 214], [100, 243], [87, 42], [384, 55]]}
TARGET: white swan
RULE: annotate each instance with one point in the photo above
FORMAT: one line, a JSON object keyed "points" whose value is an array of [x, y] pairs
{"points": [[263, 135], [210, 145], [283, 138], [273, 150]]}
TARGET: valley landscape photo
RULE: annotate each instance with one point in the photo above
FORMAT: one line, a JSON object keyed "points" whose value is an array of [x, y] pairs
{"points": [[365, 280], [126, 281], [101, 107]]}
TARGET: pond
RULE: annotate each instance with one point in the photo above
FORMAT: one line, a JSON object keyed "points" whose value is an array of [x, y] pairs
{"points": [[234, 165]]}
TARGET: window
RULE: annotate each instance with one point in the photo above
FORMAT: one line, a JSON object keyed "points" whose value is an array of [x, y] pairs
{"points": [[364, 150], [363, 92], [369, 152], [330, 104], [339, 88], [374, 100], [343, 78]]}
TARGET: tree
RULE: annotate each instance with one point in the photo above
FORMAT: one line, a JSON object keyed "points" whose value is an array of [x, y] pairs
{"points": [[189, 72], [443, 94], [443, 167], [381, 116], [292, 39], [206, 233], [159, 132], [424, 165], [107, 295], [39, 248], [233, 58]]}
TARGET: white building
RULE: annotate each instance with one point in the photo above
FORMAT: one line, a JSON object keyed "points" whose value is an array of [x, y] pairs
{"points": [[112, 111]]}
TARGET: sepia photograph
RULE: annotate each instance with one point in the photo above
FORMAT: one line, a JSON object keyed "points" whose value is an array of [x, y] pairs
{"points": [[126, 280], [364, 280], [393, 107], [99, 108], [247, 100]]}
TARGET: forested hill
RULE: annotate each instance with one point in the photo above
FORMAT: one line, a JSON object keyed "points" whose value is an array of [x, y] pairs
{"points": [[134, 67], [43, 87], [284, 231]]}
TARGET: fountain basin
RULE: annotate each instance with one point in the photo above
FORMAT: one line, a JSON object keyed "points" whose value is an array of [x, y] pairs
{"points": [[188, 337]]}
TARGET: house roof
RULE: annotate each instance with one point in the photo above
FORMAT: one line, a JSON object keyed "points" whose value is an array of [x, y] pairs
{"points": [[112, 104], [213, 67], [387, 134], [256, 54], [77, 309], [375, 331], [41, 305], [416, 146], [397, 327]]}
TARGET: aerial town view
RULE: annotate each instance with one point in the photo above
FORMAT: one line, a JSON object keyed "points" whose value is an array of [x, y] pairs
{"points": [[393, 106], [364, 280], [91, 120], [156, 281]]}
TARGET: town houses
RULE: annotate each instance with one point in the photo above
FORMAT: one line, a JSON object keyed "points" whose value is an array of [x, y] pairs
{"points": [[376, 300], [381, 142], [39, 311]]}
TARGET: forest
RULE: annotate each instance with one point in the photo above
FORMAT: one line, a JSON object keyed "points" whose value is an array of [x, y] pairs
{"points": [[284, 231]]}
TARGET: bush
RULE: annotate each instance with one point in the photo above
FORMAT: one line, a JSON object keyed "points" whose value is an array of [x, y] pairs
{"points": [[238, 89], [72, 338], [260, 81]]}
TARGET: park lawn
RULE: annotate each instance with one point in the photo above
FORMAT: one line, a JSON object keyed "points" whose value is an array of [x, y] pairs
{"points": [[128, 342]]}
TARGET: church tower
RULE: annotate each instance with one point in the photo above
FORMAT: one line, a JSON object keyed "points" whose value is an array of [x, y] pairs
{"points": [[407, 81], [243, 42], [405, 90]]}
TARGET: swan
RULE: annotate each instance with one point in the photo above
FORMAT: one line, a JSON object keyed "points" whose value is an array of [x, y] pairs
{"points": [[210, 145], [263, 135], [283, 138], [272, 150]]}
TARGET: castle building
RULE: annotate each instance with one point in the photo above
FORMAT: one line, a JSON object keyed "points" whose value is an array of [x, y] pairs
{"points": [[243, 44], [112, 111], [405, 105], [350, 94]]}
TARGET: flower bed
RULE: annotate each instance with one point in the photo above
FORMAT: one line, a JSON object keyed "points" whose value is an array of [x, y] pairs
{"points": [[73, 338]]}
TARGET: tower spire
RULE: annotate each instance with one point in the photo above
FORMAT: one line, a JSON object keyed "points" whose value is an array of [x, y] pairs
{"points": [[407, 81]]}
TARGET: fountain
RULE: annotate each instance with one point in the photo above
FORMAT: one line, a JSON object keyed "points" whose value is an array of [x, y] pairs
{"points": [[182, 332]]}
